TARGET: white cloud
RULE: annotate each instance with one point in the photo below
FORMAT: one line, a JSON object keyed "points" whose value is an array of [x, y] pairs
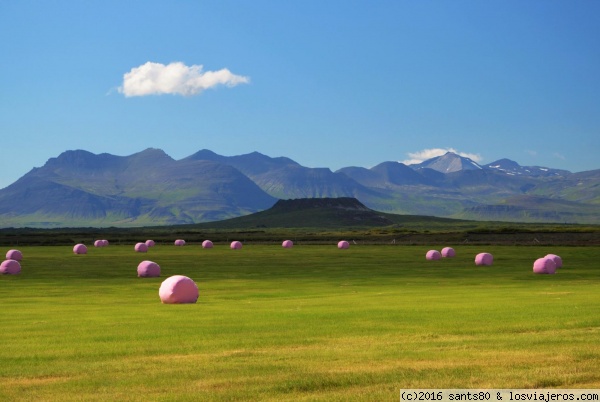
{"points": [[559, 156], [421, 156], [175, 78]]}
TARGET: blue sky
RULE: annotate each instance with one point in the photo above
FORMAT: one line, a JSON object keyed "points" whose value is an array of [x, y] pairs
{"points": [[326, 83]]}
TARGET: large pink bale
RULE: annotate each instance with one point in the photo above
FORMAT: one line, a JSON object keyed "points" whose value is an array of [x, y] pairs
{"points": [[14, 255], [180, 242], [433, 255], [557, 260], [99, 243], [178, 289], [343, 244], [10, 267], [544, 265], [236, 245], [484, 259], [80, 249], [207, 244], [448, 252], [287, 244], [105, 242], [141, 247], [148, 269], [150, 243]]}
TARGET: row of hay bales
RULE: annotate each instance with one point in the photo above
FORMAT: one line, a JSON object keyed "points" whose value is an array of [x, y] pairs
{"points": [[544, 265], [235, 245], [143, 247], [449, 252]]}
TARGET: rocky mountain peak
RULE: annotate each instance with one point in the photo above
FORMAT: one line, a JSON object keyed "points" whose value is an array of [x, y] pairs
{"points": [[448, 163]]}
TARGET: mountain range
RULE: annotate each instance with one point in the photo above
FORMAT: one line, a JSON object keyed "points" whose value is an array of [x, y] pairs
{"points": [[79, 188]]}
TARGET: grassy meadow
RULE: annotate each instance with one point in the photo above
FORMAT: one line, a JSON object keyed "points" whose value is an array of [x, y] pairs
{"points": [[311, 323]]}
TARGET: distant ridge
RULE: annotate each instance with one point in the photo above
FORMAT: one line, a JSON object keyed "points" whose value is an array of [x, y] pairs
{"points": [[513, 168], [149, 188]]}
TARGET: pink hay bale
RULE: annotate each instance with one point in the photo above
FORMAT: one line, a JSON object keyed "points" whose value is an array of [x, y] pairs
{"points": [[236, 245], [148, 269], [343, 244], [557, 260], [80, 249], [287, 244], [104, 243], [10, 267], [14, 255], [544, 265], [448, 252], [178, 289], [433, 255], [207, 244], [484, 259], [140, 248], [150, 243], [99, 243], [180, 242]]}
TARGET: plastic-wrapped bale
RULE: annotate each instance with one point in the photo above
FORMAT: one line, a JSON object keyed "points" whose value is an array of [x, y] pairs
{"points": [[180, 242], [484, 259], [10, 267], [178, 289], [207, 244], [287, 244], [448, 252], [343, 244], [99, 243], [105, 242], [148, 269], [14, 255], [544, 265], [141, 247], [80, 249], [150, 243], [557, 260], [433, 255], [236, 245]]}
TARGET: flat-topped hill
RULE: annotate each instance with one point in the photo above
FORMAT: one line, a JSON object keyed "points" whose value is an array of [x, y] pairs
{"points": [[301, 204], [339, 212]]}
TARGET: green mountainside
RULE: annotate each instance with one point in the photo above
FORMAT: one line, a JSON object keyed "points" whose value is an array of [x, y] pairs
{"points": [[82, 189]]}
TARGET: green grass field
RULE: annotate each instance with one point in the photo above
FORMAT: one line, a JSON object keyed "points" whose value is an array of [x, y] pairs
{"points": [[309, 323]]}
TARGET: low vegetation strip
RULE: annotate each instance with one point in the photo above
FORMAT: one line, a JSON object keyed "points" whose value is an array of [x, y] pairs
{"points": [[414, 234], [306, 323]]}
